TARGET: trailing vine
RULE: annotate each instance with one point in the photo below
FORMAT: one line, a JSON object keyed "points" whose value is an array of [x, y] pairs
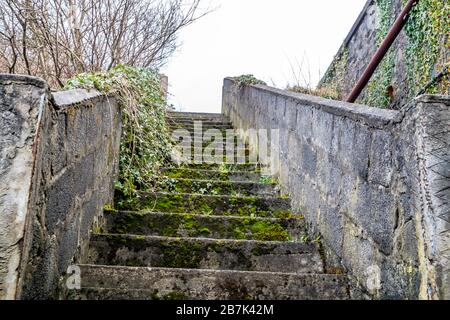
{"points": [[427, 30], [425, 52], [376, 93], [145, 143]]}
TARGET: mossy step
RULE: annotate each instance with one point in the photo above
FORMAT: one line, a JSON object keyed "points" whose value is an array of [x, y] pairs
{"points": [[212, 205], [218, 160], [137, 283], [197, 140], [203, 127], [213, 156], [243, 176], [220, 167], [203, 226], [206, 141], [194, 147], [205, 132], [196, 253], [214, 187]]}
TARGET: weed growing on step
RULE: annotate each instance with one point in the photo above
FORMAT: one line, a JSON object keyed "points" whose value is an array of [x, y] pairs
{"points": [[304, 238], [169, 185], [224, 169], [267, 180], [145, 144]]}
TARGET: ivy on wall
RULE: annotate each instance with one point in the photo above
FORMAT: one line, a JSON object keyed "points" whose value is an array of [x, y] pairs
{"points": [[376, 92], [145, 142], [426, 54], [428, 30], [334, 78]]}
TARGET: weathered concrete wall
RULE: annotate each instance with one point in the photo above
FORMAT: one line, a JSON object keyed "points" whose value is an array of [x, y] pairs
{"points": [[59, 159], [22, 101], [374, 183], [360, 46]]}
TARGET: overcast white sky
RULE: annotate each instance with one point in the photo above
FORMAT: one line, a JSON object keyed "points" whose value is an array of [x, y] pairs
{"points": [[260, 37]]}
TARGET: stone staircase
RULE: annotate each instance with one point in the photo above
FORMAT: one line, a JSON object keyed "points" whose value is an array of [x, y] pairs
{"points": [[211, 231]]}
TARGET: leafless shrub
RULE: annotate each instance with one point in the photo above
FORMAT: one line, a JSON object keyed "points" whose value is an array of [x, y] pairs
{"points": [[57, 39], [301, 81]]}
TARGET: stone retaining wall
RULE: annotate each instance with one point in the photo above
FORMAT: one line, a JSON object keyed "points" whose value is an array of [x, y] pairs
{"points": [[58, 162], [374, 183]]}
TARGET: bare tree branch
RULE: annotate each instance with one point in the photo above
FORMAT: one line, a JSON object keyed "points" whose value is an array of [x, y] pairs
{"points": [[57, 39]]}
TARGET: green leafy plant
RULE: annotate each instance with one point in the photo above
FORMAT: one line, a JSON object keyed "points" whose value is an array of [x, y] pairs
{"points": [[304, 238], [427, 32], [267, 180], [145, 143], [248, 79], [377, 93], [317, 239], [424, 51], [169, 184], [224, 169]]}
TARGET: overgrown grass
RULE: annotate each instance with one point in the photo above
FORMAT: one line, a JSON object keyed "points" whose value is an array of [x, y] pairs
{"points": [[324, 92], [145, 143]]}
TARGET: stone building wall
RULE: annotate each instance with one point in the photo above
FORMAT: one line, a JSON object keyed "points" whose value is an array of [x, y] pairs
{"points": [[399, 78], [373, 183]]}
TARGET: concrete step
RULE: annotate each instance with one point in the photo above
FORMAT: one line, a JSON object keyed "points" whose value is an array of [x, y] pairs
{"points": [[230, 134], [220, 167], [197, 116], [197, 253], [205, 133], [131, 283], [214, 187], [242, 176], [210, 147], [218, 160], [204, 126], [265, 207], [191, 122], [203, 226], [200, 142], [214, 155]]}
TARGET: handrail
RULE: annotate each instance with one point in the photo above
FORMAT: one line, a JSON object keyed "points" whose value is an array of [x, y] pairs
{"points": [[381, 52]]}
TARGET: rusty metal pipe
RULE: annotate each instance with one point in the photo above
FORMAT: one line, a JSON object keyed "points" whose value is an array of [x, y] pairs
{"points": [[381, 52]]}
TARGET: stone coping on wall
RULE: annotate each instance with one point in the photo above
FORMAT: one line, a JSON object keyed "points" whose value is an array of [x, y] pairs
{"points": [[373, 117], [6, 78], [374, 183], [68, 98]]}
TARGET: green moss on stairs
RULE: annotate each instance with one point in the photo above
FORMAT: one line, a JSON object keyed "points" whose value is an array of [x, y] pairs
{"points": [[216, 205]]}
